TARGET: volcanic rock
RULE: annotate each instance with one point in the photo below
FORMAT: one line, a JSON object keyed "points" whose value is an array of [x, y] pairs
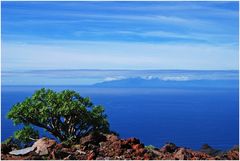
{"points": [[111, 147], [42, 145], [93, 138], [169, 147]]}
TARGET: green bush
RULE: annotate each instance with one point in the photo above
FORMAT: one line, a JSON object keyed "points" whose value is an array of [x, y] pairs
{"points": [[26, 135], [66, 114], [150, 147]]}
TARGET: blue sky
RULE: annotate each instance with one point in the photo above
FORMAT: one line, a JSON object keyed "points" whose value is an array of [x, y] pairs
{"points": [[119, 35]]}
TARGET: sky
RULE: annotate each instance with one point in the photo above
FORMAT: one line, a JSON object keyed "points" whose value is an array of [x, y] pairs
{"points": [[119, 35]]}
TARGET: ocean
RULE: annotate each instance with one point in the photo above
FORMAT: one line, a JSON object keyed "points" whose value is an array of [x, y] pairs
{"points": [[188, 117]]}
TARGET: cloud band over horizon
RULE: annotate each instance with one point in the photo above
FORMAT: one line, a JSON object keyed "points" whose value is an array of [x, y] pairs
{"points": [[119, 35]]}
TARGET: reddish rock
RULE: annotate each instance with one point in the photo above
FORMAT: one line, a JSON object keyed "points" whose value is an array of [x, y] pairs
{"points": [[233, 154], [137, 146], [115, 148], [110, 148], [138, 158], [140, 151], [112, 137], [128, 156], [86, 140], [58, 146], [170, 148], [91, 156], [146, 156], [94, 138], [126, 145], [133, 141]]}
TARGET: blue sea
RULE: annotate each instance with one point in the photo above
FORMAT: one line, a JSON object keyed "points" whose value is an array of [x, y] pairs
{"points": [[187, 116]]}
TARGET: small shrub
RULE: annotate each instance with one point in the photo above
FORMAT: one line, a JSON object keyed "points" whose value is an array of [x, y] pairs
{"points": [[27, 135], [150, 147]]}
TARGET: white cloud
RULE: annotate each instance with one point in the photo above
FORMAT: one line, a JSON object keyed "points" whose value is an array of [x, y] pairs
{"points": [[114, 78], [176, 78], [117, 55]]}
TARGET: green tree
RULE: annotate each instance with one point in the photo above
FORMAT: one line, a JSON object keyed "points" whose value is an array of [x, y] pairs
{"points": [[26, 135], [66, 114]]}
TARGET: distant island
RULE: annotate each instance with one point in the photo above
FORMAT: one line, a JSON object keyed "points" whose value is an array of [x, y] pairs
{"points": [[168, 83]]}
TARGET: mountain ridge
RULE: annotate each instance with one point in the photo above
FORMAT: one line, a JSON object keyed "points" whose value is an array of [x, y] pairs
{"points": [[164, 83]]}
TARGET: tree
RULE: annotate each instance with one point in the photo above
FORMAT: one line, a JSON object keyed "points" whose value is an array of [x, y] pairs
{"points": [[66, 114]]}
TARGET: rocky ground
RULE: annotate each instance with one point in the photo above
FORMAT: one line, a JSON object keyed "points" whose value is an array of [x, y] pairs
{"points": [[110, 147]]}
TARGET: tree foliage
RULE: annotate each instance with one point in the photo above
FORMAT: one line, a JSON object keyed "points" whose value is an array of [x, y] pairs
{"points": [[64, 114], [26, 135]]}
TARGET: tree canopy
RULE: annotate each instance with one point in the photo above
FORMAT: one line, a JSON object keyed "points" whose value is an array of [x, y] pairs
{"points": [[65, 114]]}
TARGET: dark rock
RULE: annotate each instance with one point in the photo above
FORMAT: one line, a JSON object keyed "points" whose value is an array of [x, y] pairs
{"points": [[133, 141], [34, 156], [210, 151], [93, 138], [126, 144], [169, 147], [100, 158], [92, 147], [5, 149], [61, 154], [146, 156], [59, 146]]}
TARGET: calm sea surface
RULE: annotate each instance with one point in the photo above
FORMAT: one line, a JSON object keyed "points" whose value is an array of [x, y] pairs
{"points": [[187, 117]]}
